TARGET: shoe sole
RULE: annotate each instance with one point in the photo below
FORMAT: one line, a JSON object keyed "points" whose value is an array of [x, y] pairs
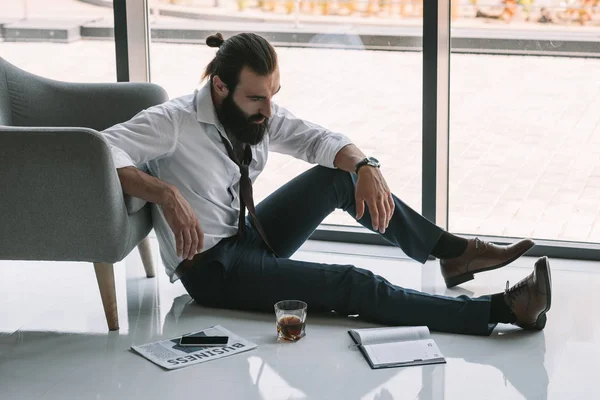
{"points": [[544, 268], [468, 276]]}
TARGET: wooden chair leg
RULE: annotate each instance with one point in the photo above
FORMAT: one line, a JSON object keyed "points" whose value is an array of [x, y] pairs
{"points": [[146, 253], [106, 283]]}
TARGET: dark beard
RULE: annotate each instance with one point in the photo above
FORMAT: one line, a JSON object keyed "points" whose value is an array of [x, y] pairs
{"points": [[241, 126]]}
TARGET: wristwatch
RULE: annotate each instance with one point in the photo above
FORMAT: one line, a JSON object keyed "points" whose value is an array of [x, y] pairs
{"points": [[370, 161]]}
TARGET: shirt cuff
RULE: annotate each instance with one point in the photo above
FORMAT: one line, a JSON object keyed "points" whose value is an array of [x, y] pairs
{"points": [[333, 144], [120, 158]]}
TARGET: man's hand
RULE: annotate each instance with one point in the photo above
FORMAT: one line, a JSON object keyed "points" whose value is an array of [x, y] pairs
{"points": [[372, 189], [183, 222]]}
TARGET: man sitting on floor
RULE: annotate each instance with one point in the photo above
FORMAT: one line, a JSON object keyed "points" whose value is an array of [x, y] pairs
{"points": [[204, 150]]}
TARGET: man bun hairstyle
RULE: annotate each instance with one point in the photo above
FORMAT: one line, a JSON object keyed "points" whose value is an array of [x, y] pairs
{"points": [[215, 40], [239, 51]]}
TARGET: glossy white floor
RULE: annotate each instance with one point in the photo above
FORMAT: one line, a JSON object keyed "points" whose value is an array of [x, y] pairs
{"points": [[54, 343]]}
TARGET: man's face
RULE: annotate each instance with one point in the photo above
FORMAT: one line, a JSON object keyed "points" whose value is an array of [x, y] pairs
{"points": [[245, 113]]}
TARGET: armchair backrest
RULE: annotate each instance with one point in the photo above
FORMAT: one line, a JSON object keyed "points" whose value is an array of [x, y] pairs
{"points": [[30, 100]]}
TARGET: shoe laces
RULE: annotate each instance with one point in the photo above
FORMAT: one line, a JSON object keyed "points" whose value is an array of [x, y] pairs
{"points": [[480, 245], [515, 291]]}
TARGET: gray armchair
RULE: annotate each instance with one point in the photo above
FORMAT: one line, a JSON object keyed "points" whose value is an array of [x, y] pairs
{"points": [[61, 198]]}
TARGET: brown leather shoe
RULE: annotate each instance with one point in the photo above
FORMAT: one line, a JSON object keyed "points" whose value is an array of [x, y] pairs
{"points": [[529, 300], [481, 256]]}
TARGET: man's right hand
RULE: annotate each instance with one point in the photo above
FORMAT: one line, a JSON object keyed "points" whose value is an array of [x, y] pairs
{"points": [[184, 223]]}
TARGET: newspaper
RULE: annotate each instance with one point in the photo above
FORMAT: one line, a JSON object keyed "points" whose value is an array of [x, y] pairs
{"points": [[170, 355]]}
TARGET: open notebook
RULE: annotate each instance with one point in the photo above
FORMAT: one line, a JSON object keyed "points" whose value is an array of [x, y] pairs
{"points": [[397, 346]]}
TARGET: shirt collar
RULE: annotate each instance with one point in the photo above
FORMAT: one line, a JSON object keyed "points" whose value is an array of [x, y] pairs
{"points": [[205, 109]]}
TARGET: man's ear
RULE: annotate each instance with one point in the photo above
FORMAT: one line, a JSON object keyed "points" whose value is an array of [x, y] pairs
{"points": [[220, 86]]}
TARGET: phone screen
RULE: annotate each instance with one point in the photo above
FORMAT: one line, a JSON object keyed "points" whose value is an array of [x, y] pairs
{"points": [[193, 340]]}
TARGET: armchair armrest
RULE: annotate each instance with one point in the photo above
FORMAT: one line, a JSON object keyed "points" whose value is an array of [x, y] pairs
{"points": [[133, 204], [62, 197]]}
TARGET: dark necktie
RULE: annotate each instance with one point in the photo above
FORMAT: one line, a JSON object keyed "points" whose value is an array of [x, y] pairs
{"points": [[246, 198], [246, 201]]}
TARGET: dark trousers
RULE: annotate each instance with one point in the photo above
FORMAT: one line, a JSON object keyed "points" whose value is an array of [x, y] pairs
{"points": [[241, 273]]}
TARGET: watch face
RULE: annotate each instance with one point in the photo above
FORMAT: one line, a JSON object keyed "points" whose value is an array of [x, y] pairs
{"points": [[373, 162]]}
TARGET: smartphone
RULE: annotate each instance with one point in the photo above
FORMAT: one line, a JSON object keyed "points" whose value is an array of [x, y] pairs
{"points": [[203, 341]]}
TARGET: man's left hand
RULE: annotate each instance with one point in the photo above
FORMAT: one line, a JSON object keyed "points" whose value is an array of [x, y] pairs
{"points": [[371, 188]]}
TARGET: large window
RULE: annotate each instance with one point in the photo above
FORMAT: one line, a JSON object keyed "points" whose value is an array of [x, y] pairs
{"points": [[37, 37], [353, 67], [525, 129]]}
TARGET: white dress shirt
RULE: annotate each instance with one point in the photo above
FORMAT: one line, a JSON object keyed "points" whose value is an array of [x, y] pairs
{"points": [[180, 142]]}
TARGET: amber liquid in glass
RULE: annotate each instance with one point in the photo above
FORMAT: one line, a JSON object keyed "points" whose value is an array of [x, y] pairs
{"points": [[290, 327]]}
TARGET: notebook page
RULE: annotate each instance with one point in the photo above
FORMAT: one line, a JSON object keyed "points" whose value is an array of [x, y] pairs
{"points": [[403, 352], [392, 334]]}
